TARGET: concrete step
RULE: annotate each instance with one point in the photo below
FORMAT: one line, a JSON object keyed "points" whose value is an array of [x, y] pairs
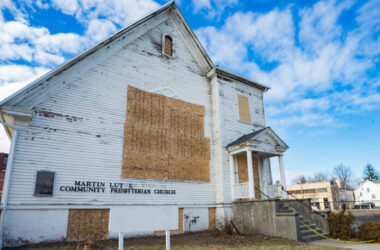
{"points": [[305, 232], [307, 222], [311, 237], [313, 226]]}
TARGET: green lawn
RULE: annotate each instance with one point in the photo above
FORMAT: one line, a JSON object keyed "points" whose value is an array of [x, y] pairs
{"points": [[202, 240]]}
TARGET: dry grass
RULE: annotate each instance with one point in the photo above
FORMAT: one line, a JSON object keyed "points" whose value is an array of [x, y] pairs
{"points": [[202, 240]]}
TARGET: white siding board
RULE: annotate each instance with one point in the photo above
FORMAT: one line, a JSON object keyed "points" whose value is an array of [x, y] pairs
{"points": [[230, 126], [98, 99]]}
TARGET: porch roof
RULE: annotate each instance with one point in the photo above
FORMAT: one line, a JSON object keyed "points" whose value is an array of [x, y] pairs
{"points": [[257, 136]]}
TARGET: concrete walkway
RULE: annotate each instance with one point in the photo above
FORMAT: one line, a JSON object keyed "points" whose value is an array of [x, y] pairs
{"points": [[358, 246]]}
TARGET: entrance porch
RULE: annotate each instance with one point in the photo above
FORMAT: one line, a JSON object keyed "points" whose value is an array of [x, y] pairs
{"points": [[251, 173]]}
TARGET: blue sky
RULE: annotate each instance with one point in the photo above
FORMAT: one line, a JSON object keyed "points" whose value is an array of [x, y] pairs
{"points": [[321, 59]]}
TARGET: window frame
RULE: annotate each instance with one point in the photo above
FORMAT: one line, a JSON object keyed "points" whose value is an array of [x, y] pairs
{"points": [[35, 186], [237, 107], [164, 45]]}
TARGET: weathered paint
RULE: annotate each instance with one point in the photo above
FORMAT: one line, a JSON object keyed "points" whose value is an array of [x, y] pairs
{"points": [[140, 220], [77, 129], [195, 219], [32, 226]]}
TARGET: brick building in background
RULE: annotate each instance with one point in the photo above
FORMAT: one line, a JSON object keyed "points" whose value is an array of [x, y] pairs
{"points": [[3, 166]]}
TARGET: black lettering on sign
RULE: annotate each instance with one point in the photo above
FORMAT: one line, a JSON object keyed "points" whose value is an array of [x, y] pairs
{"points": [[115, 187]]}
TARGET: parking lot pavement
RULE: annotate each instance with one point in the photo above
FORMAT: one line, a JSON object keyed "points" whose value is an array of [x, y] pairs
{"points": [[358, 246]]}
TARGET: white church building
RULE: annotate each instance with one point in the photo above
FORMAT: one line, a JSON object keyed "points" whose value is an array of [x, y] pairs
{"points": [[138, 134]]}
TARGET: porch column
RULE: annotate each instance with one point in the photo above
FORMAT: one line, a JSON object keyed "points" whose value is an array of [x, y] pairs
{"points": [[251, 181], [283, 182], [232, 167]]}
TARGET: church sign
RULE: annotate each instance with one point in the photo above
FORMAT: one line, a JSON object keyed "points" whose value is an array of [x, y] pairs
{"points": [[114, 187]]}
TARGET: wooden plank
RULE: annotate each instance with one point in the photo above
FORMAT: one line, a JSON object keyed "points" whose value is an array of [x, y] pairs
{"points": [[242, 168], [211, 218], [256, 177], [243, 105], [159, 136], [85, 224]]}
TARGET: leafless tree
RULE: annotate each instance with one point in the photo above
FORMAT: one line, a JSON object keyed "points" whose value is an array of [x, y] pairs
{"points": [[344, 174], [300, 179], [320, 176]]}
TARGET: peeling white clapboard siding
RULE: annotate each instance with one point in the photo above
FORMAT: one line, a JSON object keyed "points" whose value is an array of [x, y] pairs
{"points": [[230, 126], [78, 131]]}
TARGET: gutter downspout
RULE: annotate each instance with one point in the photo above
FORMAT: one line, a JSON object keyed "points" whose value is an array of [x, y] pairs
{"points": [[4, 199]]}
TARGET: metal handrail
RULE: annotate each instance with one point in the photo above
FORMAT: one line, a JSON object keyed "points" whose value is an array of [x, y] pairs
{"points": [[262, 192], [282, 187]]}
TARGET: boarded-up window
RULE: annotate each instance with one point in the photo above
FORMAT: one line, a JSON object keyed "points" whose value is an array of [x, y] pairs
{"points": [[87, 224], [168, 46], [212, 218], [256, 178], [44, 183], [242, 168], [243, 105], [164, 139]]}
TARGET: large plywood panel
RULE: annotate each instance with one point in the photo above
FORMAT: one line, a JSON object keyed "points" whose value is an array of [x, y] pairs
{"points": [[242, 168], [164, 139], [212, 218], [243, 105], [256, 178], [84, 224]]}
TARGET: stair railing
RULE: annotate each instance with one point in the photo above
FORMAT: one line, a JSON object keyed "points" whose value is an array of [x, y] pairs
{"points": [[301, 201]]}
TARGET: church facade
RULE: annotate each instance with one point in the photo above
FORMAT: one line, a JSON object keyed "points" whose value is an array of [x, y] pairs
{"points": [[138, 134]]}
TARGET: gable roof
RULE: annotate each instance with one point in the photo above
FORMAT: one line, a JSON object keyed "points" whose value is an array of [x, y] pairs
{"points": [[225, 73], [255, 134], [169, 7]]}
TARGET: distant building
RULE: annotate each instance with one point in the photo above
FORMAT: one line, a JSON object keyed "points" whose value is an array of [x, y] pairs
{"points": [[323, 195], [3, 166], [368, 191]]}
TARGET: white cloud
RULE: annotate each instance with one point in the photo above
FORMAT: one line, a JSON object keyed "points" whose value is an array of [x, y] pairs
{"points": [[35, 44], [67, 7], [17, 75], [201, 4], [98, 29], [120, 12], [305, 57], [212, 8], [12, 8]]}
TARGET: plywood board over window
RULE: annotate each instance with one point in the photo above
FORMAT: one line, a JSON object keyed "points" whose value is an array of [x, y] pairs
{"points": [[242, 168], [164, 139], [243, 106], [87, 224]]}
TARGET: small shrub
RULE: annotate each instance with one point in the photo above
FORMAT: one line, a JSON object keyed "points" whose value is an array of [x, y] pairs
{"points": [[88, 245], [369, 231], [225, 226], [340, 225]]}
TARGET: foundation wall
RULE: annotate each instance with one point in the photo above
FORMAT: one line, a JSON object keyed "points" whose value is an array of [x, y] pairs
{"points": [[23, 226], [27, 226], [260, 217]]}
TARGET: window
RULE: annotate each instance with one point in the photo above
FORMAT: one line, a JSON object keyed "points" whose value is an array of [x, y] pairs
{"points": [[168, 46], [368, 190], [44, 183], [373, 196], [243, 106], [326, 202], [5, 159]]}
